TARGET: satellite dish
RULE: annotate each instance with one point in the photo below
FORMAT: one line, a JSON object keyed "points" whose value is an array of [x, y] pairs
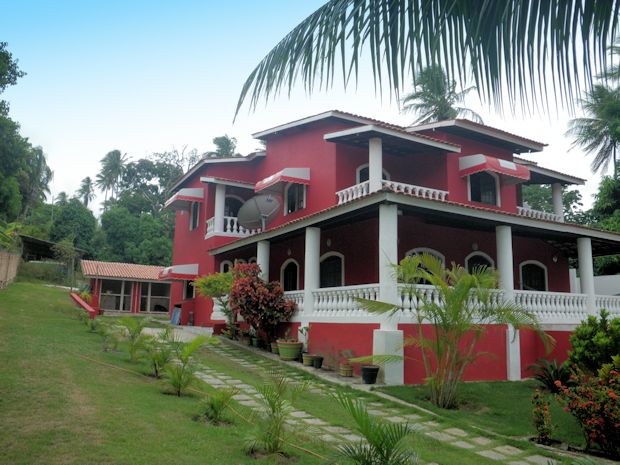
{"points": [[258, 212]]}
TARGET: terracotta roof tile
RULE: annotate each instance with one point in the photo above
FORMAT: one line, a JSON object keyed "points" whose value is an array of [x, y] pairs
{"points": [[92, 268]]}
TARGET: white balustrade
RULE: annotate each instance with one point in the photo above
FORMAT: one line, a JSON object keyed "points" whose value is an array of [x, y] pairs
{"points": [[353, 192], [297, 297], [418, 191], [232, 228], [554, 307], [340, 301], [610, 303], [537, 214]]}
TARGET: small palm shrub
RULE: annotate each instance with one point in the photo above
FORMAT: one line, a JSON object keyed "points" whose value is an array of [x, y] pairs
{"points": [[270, 433], [214, 406], [383, 442], [133, 331], [159, 351], [547, 373], [180, 373], [93, 325], [110, 336], [541, 417]]}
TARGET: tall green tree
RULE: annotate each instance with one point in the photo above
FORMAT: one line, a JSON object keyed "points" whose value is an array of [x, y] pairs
{"points": [[74, 220], [225, 147], [35, 179], [539, 197], [512, 49], [112, 168], [86, 192], [435, 98], [598, 133]]}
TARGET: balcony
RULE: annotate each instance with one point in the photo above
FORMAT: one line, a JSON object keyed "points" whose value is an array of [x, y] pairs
{"points": [[538, 215], [230, 228], [360, 190], [338, 305]]}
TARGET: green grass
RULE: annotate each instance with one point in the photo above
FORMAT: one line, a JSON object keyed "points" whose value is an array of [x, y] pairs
{"points": [[58, 408], [503, 407]]}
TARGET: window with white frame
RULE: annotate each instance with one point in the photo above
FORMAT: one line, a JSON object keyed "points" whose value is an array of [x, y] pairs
{"points": [[115, 295], [232, 204], [427, 250], [484, 188], [533, 276], [289, 275], [332, 270], [295, 195], [362, 174], [226, 266], [478, 260], [194, 215]]}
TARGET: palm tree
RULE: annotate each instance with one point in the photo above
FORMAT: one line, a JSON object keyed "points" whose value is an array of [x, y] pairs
{"points": [[598, 132], [61, 199], [86, 191], [511, 48], [435, 97], [225, 147], [112, 168], [37, 176]]}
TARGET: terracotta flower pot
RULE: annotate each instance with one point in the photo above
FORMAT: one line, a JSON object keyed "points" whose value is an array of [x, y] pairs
{"points": [[289, 350]]}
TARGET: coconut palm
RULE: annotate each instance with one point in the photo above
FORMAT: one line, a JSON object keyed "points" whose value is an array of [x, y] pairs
{"points": [[37, 176], [435, 98], [86, 192], [458, 310], [598, 133], [112, 168], [511, 48]]}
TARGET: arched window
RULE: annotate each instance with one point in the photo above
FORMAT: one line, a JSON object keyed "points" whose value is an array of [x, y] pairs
{"points": [[533, 276], [332, 269], [289, 275], [232, 204], [362, 174], [419, 250], [478, 260], [295, 195], [484, 188], [226, 266], [252, 260]]}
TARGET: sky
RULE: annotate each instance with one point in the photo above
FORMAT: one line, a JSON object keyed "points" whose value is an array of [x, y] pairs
{"points": [[150, 76]]}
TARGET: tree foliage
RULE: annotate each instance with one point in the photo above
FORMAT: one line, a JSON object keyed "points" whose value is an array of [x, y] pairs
{"points": [[74, 220], [594, 342], [512, 49]]}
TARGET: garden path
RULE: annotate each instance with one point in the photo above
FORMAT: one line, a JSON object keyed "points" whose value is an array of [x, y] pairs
{"points": [[424, 422]]}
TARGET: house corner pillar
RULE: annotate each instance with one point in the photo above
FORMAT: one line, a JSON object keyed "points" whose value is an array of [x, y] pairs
{"points": [[586, 272], [262, 259], [312, 268], [505, 267], [388, 256], [220, 208], [558, 205], [375, 164], [390, 342]]}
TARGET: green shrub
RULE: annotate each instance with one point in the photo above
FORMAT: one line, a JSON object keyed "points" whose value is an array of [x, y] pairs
{"points": [[214, 406], [159, 350], [541, 417], [547, 373], [180, 374], [51, 272], [133, 332], [595, 341]]}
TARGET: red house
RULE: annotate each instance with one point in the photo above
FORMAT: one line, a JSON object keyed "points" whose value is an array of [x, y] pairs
{"points": [[356, 195]]}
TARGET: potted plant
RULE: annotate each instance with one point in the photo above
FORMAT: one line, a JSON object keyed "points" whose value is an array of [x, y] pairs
{"points": [[317, 362], [346, 368], [307, 359], [245, 338], [289, 348], [369, 373], [253, 337], [274, 347]]}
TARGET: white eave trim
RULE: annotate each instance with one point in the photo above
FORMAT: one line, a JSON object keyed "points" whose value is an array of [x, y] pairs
{"points": [[496, 217], [561, 177], [226, 182], [388, 132], [309, 119], [485, 130]]}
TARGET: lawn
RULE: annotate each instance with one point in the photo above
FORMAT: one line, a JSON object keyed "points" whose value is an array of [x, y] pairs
{"points": [[503, 406], [56, 407]]}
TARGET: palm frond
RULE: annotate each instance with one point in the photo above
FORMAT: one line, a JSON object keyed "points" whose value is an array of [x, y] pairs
{"points": [[510, 48]]}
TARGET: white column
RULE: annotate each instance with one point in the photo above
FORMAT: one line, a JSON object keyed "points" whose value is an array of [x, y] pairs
{"points": [[375, 163], [503, 237], [262, 259], [390, 343], [220, 202], [586, 271], [388, 255], [312, 267], [558, 206]]}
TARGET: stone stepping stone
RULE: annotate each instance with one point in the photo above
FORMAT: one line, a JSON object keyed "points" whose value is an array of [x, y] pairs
{"points": [[377, 412], [439, 436], [463, 444], [337, 429], [249, 403], [413, 417], [225, 377], [491, 454], [245, 386], [328, 438], [215, 382], [518, 462], [315, 421], [508, 450], [352, 437], [540, 460], [455, 432], [482, 441], [396, 419], [375, 404], [242, 397], [431, 424], [316, 391], [300, 414]]}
